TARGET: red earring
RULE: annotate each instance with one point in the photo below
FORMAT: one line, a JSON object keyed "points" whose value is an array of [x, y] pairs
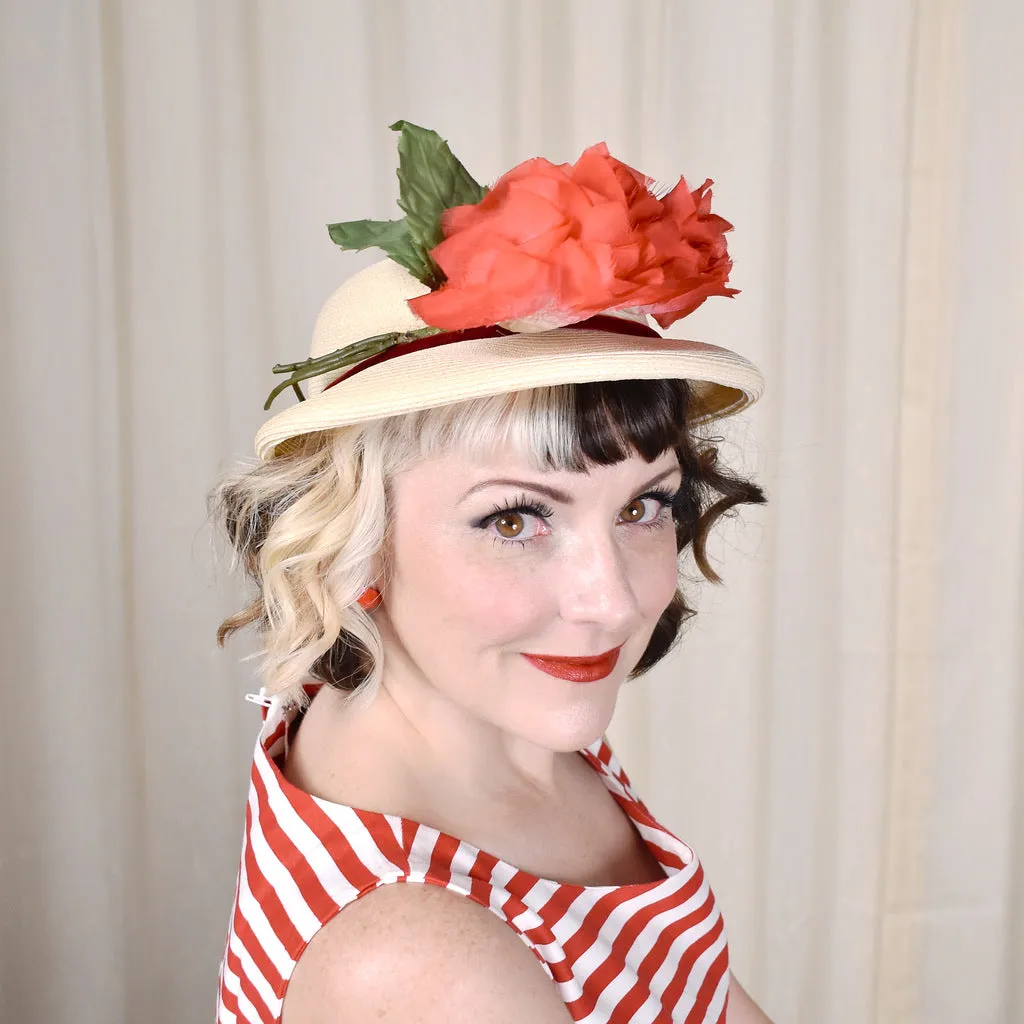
{"points": [[370, 598]]}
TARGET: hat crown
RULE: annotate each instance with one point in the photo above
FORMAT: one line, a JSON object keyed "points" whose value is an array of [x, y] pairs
{"points": [[373, 301], [376, 301]]}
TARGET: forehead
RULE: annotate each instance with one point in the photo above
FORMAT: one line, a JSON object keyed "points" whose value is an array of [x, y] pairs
{"points": [[456, 471]]}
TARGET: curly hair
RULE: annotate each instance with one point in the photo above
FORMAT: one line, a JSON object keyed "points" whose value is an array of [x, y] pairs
{"points": [[306, 524]]}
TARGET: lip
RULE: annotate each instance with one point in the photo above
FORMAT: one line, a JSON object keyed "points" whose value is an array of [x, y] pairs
{"points": [[578, 670]]}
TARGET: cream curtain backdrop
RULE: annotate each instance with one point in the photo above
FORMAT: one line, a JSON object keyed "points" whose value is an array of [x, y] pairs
{"points": [[840, 733]]}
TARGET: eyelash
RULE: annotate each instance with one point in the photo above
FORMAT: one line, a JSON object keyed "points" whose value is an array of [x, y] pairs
{"points": [[537, 508]]}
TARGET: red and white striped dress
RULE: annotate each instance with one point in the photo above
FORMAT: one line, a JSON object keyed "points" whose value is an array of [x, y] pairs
{"points": [[649, 953]]}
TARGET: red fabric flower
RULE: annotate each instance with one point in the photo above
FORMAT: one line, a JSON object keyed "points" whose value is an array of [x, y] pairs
{"points": [[567, 241]]}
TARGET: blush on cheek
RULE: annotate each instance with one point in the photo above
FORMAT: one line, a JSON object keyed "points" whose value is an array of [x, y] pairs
{"points": [[657, 596], [498, 606], [516, 609]]}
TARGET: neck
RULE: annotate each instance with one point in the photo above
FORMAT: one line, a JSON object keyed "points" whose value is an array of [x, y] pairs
{"points": [[443, 747]]}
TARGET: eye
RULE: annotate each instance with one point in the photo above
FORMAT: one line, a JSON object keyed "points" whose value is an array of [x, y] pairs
{"points": [[637, 506], [509, 520], [510, 524]]}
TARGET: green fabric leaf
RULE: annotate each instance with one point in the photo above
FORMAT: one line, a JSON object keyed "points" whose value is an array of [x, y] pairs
{"points": [[430, 180], [393, 236]]}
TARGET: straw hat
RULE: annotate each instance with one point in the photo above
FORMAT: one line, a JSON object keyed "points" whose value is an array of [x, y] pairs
{"points": [[460, 349]]}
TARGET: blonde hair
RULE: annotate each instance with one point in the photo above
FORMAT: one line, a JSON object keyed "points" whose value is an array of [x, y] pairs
{"points": [[306, 525]]}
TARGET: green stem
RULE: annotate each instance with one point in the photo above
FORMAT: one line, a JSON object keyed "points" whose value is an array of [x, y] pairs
{"points": [[335, 360]]}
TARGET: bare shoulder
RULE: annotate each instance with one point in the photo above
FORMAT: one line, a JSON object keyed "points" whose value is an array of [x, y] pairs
{"points": [[743, 1009], [419, 954]]}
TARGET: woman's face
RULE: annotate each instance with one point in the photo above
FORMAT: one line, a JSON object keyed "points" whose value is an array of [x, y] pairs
{"points": [[472, 591]]}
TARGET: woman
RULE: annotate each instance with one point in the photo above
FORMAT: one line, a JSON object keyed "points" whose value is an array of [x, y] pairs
{"points": [[465, 539]]}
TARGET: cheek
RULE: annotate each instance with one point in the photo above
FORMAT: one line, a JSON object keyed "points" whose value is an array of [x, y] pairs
{"points": [[498, 602], [468, 588], [657, 578]]}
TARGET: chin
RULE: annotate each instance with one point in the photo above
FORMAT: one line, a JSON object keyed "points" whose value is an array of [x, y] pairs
{"points": [[579, 729]]}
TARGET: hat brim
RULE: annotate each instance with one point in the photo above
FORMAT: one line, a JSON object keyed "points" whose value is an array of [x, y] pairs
{"points": [[725, 382]]}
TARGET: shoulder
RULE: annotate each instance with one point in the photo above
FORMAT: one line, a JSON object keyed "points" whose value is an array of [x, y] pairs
{"points": [[417, 952]]}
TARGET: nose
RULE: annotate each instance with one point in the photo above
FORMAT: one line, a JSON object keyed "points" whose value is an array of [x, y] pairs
{"points": [[594, 582]]}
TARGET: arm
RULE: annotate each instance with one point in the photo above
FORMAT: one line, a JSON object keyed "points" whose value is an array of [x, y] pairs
{"points": [[419, 954], [742, 1009]]}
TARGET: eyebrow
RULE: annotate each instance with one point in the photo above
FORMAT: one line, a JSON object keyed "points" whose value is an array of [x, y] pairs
{"points": [[551, 492]]}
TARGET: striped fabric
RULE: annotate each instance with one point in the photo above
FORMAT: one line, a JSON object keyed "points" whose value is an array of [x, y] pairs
{"points": [[647, 953]]}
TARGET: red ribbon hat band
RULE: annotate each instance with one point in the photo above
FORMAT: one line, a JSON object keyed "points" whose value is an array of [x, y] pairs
{"points": [[600, 322]]}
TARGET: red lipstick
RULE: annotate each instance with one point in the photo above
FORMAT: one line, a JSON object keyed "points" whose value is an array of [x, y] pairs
{"points": [[579, 670]]}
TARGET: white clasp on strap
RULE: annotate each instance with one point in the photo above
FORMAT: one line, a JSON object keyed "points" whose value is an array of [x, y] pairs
{"points": [[259, 698]]}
